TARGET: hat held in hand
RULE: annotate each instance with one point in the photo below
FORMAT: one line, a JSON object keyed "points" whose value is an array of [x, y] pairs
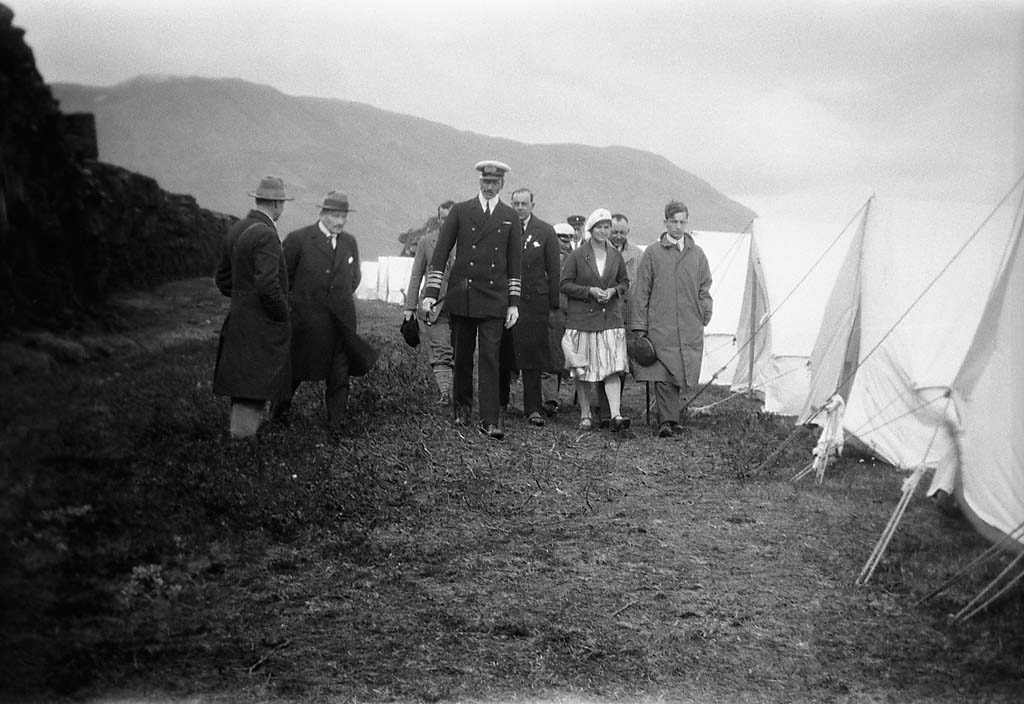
{"points": [[641, 350], [410, 331]]}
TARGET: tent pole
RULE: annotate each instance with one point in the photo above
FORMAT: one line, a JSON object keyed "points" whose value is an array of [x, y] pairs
{"points": [[753, 331]]}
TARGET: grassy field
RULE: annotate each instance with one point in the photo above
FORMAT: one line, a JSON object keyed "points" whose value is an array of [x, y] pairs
{"points": [[147, 556]]}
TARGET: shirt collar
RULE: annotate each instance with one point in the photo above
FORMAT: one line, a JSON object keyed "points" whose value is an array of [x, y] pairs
{"points": [[483, 202], [679, 244], [324, 229]]}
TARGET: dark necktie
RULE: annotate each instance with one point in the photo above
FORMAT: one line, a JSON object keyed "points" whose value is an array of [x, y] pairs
{"points": [[487, 210]]}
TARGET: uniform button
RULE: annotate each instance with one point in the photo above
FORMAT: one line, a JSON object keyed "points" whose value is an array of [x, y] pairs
{"points": [[469, 281]]}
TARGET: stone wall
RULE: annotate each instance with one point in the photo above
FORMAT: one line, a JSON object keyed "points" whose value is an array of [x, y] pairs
{"points": [[72, 229]]}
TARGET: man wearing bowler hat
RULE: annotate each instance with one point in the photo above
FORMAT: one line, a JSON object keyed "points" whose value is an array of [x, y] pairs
{"points": [[252, 357], [483, 290], [323, 272]]}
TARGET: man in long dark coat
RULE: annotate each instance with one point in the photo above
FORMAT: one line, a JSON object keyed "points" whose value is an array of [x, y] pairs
{"points": [[323, 272], [483, 290], [252, 357], [526, 346]]}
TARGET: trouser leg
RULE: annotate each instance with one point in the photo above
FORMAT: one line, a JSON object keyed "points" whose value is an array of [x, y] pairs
{"points": [[531, 391], [438, 337], [336, 391], [549, 383], [280, 409], [463, 347], [506, 367], [504, 385], [489, 331], [666, 401]]}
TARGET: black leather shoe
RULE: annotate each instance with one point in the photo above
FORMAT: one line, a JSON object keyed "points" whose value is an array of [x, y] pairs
{"points": [[536, 419], [492, 431], [665, 430], [620, 423]]}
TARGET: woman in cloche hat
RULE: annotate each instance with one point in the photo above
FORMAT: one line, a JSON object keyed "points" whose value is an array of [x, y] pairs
{"points": [[594, 280]]}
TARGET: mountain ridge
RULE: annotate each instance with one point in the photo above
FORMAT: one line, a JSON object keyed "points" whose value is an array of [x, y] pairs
{"points": [[216, 137]]}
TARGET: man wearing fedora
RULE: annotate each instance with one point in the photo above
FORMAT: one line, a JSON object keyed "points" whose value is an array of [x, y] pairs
{"points": [[483, 290], [252, 357], [323, 274]]}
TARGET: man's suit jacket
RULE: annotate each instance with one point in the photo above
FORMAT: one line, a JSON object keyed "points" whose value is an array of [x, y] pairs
{"points": [[252, 358], [485, 276], [540, 295], [323, 282]]}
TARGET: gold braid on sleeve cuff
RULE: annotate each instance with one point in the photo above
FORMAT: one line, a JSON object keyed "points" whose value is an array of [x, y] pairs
{"points": [[515, 287], [434, 279]]}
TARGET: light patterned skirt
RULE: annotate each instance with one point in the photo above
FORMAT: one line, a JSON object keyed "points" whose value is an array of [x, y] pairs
{"points": [[595, 356]]}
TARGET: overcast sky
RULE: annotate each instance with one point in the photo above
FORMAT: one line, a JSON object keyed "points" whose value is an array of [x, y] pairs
{"points": [[792, 108]]}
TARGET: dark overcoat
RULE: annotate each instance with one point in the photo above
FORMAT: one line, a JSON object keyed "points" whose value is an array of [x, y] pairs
{"points": [[485, 275], [579, 273], [252, 356], [323, 282], [540, 296], [672, 303]]}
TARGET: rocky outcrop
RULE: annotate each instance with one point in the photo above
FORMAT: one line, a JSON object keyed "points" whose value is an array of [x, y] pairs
{"points": [[72, 229]]}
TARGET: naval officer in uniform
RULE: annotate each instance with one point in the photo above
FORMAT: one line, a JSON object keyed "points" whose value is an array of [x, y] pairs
{"points": [[483, 290]]}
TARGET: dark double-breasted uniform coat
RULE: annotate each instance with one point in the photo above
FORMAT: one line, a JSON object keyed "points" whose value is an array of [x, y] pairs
{"points": [[540, 294], [323, 283], [485, 275], [253, 354]]}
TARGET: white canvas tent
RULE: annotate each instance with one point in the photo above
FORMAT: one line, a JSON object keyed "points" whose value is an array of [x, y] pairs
{"points": [[987, 471], [727, 254], [922, 338], [367, 289], [393, 278], [792, 267]]}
